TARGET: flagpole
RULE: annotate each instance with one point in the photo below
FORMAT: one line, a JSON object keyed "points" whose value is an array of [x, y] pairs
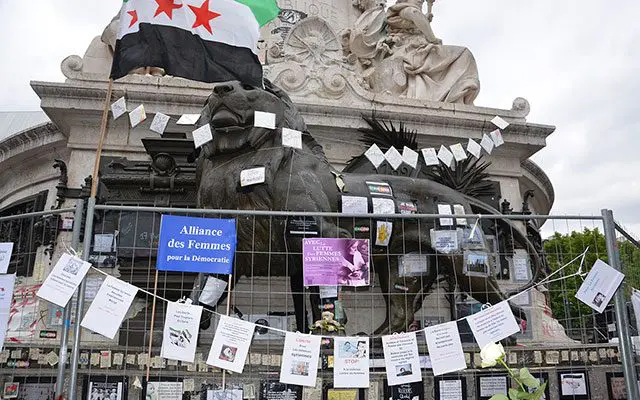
{"points": [[153, 319], [103, 134], [224, 371]]}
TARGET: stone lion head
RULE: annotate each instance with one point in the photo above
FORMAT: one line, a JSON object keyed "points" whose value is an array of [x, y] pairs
{"points": [[230, 111]]}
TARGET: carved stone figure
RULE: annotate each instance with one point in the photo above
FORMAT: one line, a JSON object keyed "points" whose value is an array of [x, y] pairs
{"points": [[400, 55], [303, 180]]}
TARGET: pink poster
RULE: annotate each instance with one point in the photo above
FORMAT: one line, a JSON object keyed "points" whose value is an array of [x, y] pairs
{"points": [[331, 262]]}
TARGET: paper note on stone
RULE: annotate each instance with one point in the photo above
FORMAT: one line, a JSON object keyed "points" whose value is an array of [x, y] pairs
{"points": [[458, 209], [487, 144], [445, 156], [383, 206], [393, 157], [63, 280], [402, 360], [108, 309], [328, 292], [188, 119], [291, 138], [103, 243], [445, 348], [137, 116], [474, 148], [499, 122], [445, 209], [159, 123], [252, 176], [119, 107], [599, 286], [410, 157], [383, 233], [6, 249], [202, 135], [496, 136], [375, 155], [263, 119], [300, 359], [458, 152], [430, 156], [231, 344], [493, 324], [180, 334], [354, 205]]}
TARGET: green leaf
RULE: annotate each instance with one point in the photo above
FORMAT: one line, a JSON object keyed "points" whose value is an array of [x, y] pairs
{"points": [[539, 392], [499, 396], [514, 394], [528, 379]]}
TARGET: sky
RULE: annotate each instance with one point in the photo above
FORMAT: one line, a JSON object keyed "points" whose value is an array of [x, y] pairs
{"points": [[577, 62]]}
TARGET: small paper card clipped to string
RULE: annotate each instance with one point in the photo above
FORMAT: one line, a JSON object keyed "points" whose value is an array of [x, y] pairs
{"points": [[180, 333], [430, 156], [202, 135], [109, 307], [401, 358], [394, 157], [188, 119], [599, 286], [445, 348], [486, 143], [410, 157], [291, 138], [474, 148], [231, 344], [458, 152], [493, 324], [496, 136], [63, 280], [137, 116], [252, 176], [119, 107], [375, 155], [159, 123], [300, 359], [351, 363], [499, 122], [445, 156], [263, 119]]}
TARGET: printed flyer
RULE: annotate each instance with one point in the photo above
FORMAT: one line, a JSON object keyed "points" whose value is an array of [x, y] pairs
{"points": [[300, 359], [231, 344], [401, 357], [351, 362], [180, 335], [333, 262]]}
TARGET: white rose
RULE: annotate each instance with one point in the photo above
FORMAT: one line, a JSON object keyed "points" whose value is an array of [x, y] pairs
{"points": [[490, 354]]}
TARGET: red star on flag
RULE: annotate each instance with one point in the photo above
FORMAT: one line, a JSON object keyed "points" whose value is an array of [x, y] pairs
{"points": [[167, 7], [203, 16], [134, 17]]}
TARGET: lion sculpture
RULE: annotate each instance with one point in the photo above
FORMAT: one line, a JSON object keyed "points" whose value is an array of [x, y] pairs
{"points": [[303, 180]]}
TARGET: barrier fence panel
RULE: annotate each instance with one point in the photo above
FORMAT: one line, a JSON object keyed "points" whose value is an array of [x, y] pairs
{"points": [[400, 273]]}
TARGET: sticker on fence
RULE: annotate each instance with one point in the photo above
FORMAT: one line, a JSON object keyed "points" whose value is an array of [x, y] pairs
{"points": [[63, 280]]}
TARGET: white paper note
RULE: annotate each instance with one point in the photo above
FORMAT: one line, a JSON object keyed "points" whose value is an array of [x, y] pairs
{"points": [[328, 292], [458, 209], [474, 148], [445, 156], [401, 357], [445, 209], [412, 265], [159, 123], [6, 249], [63, 280], [291, 138], [164, 391], [375, 155], [520, 268], [119, 107], [599, 286], [351, 362], [393, 157], [300, 359], [137, 116], [355, 205], [493, 324], [252, 176], [458, 152], [496, 136], [486, 143], [445, 241], [383, 233], [110, 306], [202, 135], [445, 348], [7, 282], [103, 243], [264, 120], [499, 122], [383, 206], [231, 344], [188, 119], [180, 334], [490, 385], [410, 156], [450, 389], [430, 156], [227, 394]]}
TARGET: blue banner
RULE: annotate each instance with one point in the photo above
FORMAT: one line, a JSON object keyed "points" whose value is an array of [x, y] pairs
{"points": [[190, 244]]}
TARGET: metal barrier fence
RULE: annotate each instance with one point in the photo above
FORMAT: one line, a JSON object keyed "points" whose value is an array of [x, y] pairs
{"points": [[411, 286]]}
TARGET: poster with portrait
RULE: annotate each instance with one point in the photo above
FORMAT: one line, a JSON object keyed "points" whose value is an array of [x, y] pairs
{"points": [[615, 386], [336, 262], [573, 385], [351, 362], [104, 387], [300, 359]]}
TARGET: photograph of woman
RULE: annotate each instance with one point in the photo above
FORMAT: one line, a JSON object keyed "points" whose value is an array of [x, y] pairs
{"points": [[355, 264]]}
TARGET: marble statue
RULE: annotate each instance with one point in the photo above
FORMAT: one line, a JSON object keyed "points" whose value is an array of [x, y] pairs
{"points": [[400, 54]]}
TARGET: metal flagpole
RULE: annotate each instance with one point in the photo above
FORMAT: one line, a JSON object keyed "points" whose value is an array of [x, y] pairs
{"points": [[88, 230], [66, 319], [622, 322]]}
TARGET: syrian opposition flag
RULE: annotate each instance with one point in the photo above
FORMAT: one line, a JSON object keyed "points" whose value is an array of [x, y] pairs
{"points": [[202, 40]]}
